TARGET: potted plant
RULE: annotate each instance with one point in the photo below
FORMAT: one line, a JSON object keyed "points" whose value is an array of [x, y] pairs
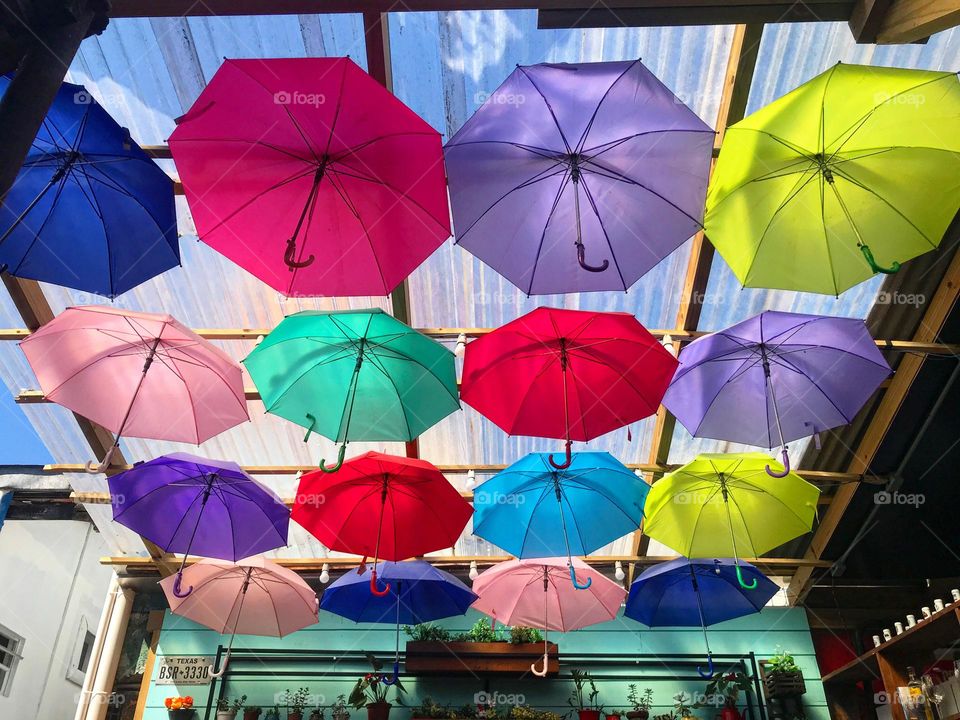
{"points": [[180, 707], [614, 714], [683, 706], [338, 711], [273, 713], [295, 702], [724, 689], [429, 709], [371, 691], [316, 714], [252, 712], [227, 710], [520, 635], [583, 697], [640, 702], [782, 677]]}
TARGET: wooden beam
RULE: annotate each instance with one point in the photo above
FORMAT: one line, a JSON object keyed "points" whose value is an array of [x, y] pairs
{"points": [[599, 15], [908, 21], [866, 19], [933, 320]]}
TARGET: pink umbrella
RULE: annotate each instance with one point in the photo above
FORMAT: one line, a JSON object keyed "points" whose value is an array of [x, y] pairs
{"points": [[538, 593], [138, 374], [249, 597]]}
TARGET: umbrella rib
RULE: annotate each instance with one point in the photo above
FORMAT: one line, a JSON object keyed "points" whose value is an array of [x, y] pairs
{"points": [[378, 364], [247, 141], [546, 223], [546, 102], [36, 236], [346, 354], [541, 152], [596, 150], [603, 229], [370, 141], [336, 111], [428, 370], [589, 126]]}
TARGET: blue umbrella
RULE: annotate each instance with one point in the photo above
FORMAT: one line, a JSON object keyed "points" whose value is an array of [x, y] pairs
{"points": [[417, 593], [593, 501], [688, 593], [89, 209]]}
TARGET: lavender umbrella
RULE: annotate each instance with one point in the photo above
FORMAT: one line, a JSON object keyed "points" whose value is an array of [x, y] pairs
{"points": [[184, 503], [574, 178], [774, 378]]}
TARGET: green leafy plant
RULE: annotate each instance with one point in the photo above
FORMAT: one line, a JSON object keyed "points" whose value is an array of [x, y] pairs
{"points": [[338, 711], [295, 701], [430, 708], [237, 704], [584, 694], [482, 632], [726, 686], [316, 714], [525, 712], [781, 663], [370, 688], [427, 632], [520, 635], [639, 701], [682, 705]]}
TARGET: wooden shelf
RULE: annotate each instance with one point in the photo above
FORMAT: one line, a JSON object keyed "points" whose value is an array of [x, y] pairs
{"points": [[472, 658]]}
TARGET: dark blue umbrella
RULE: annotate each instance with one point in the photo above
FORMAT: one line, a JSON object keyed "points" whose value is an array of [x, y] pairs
{"points": [[688, 593], [89, 209], [416, 593]]}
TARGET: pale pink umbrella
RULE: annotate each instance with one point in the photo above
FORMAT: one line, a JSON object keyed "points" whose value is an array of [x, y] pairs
{"points": [[138, 374], [249, 597], [538, 593]]}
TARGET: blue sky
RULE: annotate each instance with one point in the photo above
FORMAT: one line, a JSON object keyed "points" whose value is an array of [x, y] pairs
{"points": [[19, 442]]}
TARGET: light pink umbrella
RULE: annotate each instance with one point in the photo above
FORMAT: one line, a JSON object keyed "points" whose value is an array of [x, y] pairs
{"points": [[538, 593], [138, 374], [249, 597]]}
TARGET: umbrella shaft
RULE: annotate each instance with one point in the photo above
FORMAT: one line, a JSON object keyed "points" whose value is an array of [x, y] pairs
{"points": [[768, 383]]}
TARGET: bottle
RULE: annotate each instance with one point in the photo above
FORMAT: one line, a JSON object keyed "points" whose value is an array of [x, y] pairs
{"points": [[913, 707]]}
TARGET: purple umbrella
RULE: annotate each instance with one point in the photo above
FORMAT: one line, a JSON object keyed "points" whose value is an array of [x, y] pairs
{"points": [[574, 178], [775, 378], [184, 503]]}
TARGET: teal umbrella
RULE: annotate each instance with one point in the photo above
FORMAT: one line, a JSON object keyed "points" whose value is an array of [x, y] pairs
{"points": [[355, 375]]}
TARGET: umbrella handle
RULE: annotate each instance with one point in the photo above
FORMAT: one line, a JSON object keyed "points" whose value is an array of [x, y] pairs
{"points": [[567, 461], [373, 585], [708, 673], [577, 585], [868, 255], [340, 455], [288, 256], [176, 587], [223, 667], [540, 672], [586, 266], [743, 583], [786, 466], [95, 469], [313, 421], [396, 673]]}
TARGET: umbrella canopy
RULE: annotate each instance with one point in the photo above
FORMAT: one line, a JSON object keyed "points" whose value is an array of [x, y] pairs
{"points": [[776, 377], [850, 174], [249, 597], [574, 178], [89, 209], [722, 504], [139, 374], [312, 176], [382, 506], [594, 501], [184, 504], [567, 374], [354, 375]]}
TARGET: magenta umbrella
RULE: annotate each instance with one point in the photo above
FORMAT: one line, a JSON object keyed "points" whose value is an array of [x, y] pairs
{"points": [[139, 374], [249, 597], [538, 593]]}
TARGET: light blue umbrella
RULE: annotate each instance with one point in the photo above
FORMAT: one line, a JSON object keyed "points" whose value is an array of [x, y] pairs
{"points": [[592, 502]]}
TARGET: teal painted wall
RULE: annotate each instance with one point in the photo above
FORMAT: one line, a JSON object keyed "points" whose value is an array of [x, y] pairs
{"points": [[762, 634]]}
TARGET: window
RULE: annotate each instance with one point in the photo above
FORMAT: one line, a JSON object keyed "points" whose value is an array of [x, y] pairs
{"points": [[11, 649], [82, 650]]}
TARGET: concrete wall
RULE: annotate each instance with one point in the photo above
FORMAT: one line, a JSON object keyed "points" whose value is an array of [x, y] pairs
{"points": [[51, 585]]}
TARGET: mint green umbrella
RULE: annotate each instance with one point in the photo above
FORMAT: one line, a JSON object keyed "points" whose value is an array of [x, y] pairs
{"points": [[355, 375]]}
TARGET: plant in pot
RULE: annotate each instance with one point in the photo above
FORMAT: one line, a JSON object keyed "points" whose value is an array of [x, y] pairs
{"points": [[371, 692], [783, 677], [316, 714], [338, 711], [520, 635], [614, 714], [583, 697], [427, 632], [641, 702], [227, 710], [180, 707], [295, 702], [723, 689], [683, 706], [273, 713], [252, 712], [483, 632], [430, 709]]}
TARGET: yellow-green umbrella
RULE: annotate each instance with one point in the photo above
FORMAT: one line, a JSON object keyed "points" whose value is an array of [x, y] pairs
{"points": [[721, 505], [850, 174]]}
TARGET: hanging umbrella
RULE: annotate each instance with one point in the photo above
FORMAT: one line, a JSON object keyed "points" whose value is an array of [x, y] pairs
{"points": [[248, 597], [566, 374], [383, 506], [691, 593], [850, 174], [354, 375], [417, 593], [774, 378], [137, 374], [89, 209], [594, 501], [183, 504], [538, 594], [309, 174], [720, 504], [574, 178]]}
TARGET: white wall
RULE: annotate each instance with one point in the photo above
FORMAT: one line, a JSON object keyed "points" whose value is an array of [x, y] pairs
{"points": [[50, 582]]}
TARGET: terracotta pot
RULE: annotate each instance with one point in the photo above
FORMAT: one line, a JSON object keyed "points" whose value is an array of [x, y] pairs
{"points": [[730, 712], [294, 716], [638, 714], [252, 714], [378, 711], [588, 714], [182, 714], [613, 717]]}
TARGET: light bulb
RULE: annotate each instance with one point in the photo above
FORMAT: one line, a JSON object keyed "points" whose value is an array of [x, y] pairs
{"points": [[461, 346], [638, 472], [618, 571], [667, 343], [473, 570], [259, 339], [325, 574], [471, 478]]}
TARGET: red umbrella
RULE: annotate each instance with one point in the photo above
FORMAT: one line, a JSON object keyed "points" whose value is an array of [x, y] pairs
{"points": [[382, 506], [566, 374], [309, 174]]}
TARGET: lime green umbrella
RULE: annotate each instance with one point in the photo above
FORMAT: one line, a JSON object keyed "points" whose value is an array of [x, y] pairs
{"points": [[723, 505], [356, 375], [850, 174]]}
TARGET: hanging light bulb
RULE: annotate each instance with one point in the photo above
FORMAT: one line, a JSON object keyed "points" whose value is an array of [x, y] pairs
{"points": [[461, 347], [638, 472], [618, 570], [259, 339], [474, 572], [667, 342], [325, 574], [471, 478]]}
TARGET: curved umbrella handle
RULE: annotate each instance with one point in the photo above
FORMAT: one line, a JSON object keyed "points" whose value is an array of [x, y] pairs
{"points": [[566, 463], [577, 585], [396, 674], [313, 422], [102, 467], [586, 266], [373, 585], [540, 672], [743, 583], [868, 255], [708, 673], [177, 591], [223, 667], [288, 256], [786, 466], [340, 455]]}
